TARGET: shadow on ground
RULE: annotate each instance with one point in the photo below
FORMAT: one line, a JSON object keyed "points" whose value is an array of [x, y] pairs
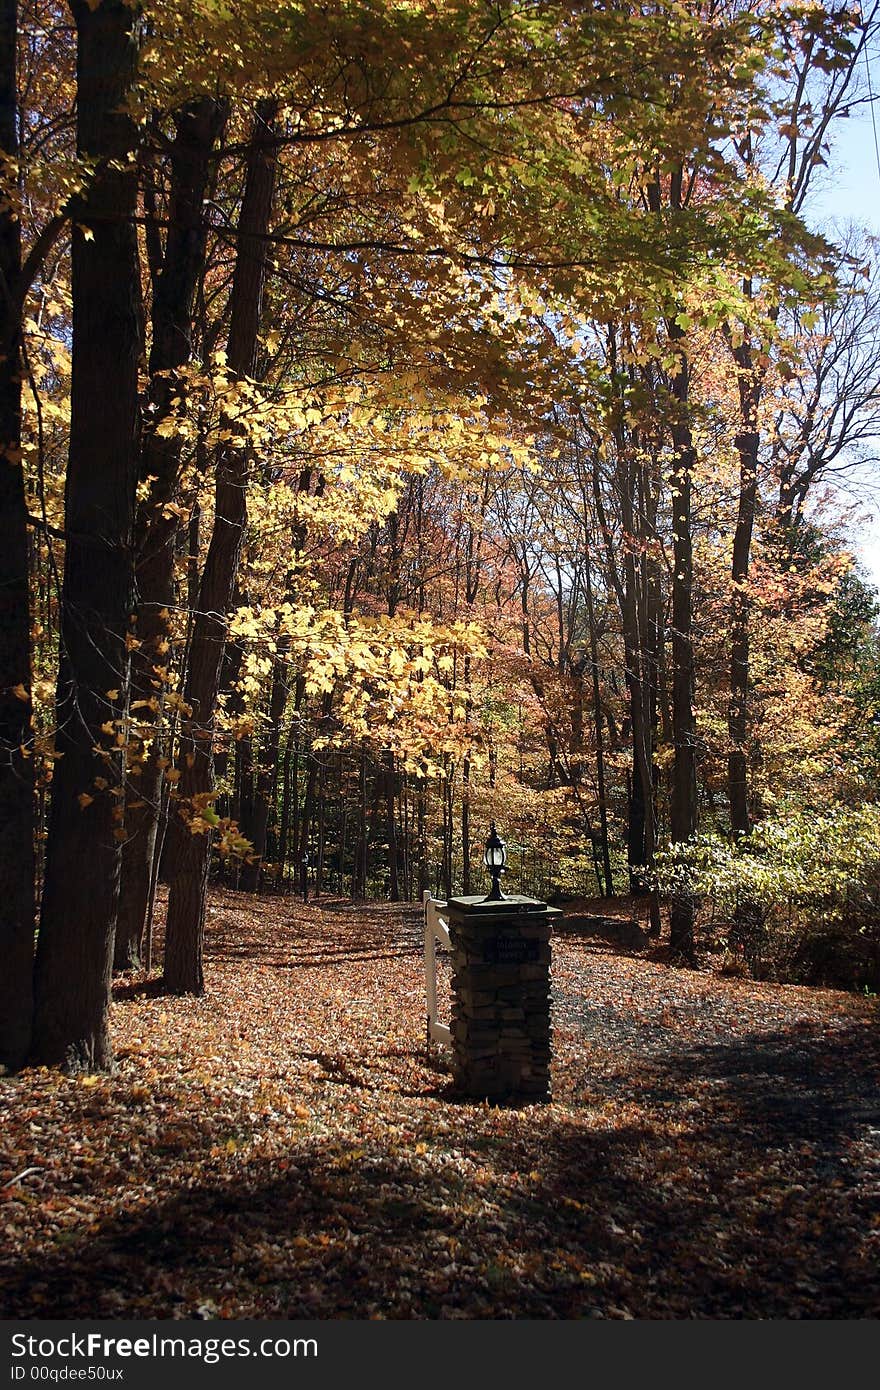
{"points": [[758, 1211], [692, 1165]]}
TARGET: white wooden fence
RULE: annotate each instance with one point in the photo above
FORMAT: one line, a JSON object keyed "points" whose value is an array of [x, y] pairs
{"points": [[436, 929]]}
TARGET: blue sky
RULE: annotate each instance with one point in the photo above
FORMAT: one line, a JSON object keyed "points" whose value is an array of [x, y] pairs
{"points": [[850, 189], [850, 192]]}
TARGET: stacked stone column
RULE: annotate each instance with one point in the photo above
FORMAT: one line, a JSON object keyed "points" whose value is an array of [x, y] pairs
{"points": [[501, 1028]]}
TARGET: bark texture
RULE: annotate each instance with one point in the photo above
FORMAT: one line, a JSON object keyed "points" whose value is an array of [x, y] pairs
{"points": [[16, 764], [683, 802], [747, 444], [190, 853], [198, 126], [80, 896]]}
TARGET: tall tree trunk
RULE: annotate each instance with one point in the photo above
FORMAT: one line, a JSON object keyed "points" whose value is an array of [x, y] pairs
{"points": [[229, 803], [185, 925], [448, 829], [362, 849], [390, 775], [422, 871], [747, 442], [80, 896], [284, 826], [320, 832], [266, 776], [640, 831], [684, 797], [597, 725], [287, 833], [653, 591], [243, 808], [16, 761], [471, 588], [197, 128], [406, 840], [683, 806], [466, 825]]}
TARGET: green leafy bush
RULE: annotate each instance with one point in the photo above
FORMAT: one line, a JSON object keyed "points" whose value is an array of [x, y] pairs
{"points": [[797, 899]]}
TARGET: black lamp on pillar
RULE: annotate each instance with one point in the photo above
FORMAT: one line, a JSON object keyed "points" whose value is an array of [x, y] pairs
{"points": [[495, 859]]}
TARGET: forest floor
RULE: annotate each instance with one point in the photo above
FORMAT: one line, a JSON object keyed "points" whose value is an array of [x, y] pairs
{"points": [[285, 1147]]}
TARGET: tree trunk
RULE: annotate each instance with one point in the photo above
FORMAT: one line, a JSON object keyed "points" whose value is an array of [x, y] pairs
{"points": [[320, 833], [683, 806], [406, 840], [184, 932], [80, 896], [471, 588], [391, 827], [198, 126], [266, 776], [284, 826], [684, 797], [597, 725], [640, 828], [361, 852], [243, 808], [747, 442], [654, 637], [16, 760], [466, 824], [422, 871], [448, 830]]}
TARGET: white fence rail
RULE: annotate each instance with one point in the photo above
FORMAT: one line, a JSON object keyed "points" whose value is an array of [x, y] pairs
{"points": [[436, 929]]}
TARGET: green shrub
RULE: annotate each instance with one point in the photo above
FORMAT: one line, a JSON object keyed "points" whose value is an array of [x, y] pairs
{"points": [[796, 900]]}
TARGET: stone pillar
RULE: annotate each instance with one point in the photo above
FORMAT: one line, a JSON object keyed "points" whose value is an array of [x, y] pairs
{"points": [[501, 997]]}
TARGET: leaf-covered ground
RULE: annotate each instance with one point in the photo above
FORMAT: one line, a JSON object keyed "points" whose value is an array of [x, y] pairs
{"points": [[285, 1147]]}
